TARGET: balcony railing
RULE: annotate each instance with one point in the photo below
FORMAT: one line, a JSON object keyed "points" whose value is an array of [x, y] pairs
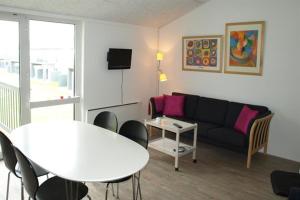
{"points": [[9, 106]]}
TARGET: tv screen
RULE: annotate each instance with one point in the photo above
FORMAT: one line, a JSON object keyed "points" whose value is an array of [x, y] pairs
{"points": [[119, 58]]}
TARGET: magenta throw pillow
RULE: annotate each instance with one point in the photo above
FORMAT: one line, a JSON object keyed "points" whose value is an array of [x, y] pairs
{"points": [[245, 117], [159, 102], [173, 106]]}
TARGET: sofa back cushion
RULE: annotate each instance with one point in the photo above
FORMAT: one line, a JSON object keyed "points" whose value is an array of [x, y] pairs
{"points": [[234, 110], [211, 110], [190, 104]]}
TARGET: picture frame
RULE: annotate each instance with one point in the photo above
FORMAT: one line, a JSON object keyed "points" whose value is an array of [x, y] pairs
{"points": [[202, 53], [244, 42]]}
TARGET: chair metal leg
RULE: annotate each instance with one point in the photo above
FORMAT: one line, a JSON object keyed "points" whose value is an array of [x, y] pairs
{"points": [[112, 189], [106, 192], [88, 196], [22, 190], [139, 191], [7, 187], [133, 187], [118, 191]]}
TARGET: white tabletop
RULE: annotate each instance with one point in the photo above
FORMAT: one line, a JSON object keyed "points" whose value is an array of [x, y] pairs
{"points": [[80, 152]]}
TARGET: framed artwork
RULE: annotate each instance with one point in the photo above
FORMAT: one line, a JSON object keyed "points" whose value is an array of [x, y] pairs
{"points": [[244, 48], [202, 53]]}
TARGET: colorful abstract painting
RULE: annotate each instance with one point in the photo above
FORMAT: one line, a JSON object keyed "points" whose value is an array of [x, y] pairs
{"points": [[202, 53], [244, 48]]}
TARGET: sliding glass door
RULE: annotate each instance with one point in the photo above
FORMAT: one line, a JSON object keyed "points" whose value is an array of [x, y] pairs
{"points": [[38, 70]]}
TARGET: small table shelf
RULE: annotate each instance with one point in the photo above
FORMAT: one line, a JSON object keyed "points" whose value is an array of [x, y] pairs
{"points": [[169, 146]]}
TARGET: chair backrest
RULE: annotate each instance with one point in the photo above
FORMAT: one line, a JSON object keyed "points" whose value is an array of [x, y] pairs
{"points": [[8, 153], [29, 177], [107, 120], [135, 131]]}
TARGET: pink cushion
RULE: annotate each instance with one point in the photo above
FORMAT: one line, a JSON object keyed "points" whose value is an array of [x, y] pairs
{"points": [[173, 106], [245, 116], [159, 102]]}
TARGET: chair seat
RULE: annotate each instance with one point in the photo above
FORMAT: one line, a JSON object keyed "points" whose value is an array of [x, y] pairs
{"points": [[55, 189], [37, 169]]}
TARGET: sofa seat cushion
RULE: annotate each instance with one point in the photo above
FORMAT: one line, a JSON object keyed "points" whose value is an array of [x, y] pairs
{"points": [[227, 136], [204, 127], [211, 110]]}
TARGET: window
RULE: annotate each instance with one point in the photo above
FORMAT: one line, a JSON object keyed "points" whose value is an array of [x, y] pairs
{"points": [[52, 55]]}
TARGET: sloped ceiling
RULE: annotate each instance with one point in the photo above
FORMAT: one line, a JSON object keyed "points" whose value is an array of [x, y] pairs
{"points": [[153, 13]]}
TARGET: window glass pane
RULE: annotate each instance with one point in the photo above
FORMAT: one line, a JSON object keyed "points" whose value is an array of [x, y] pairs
{"points": [[9, 75], [53, 113], [9, 52], [51, 60]]}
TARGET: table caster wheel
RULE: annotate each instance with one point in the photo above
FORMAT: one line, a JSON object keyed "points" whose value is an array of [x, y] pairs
{"points": [[176, 169], [195, 161]]}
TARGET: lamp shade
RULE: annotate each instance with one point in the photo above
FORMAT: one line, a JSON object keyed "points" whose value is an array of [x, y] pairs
{"points": [[163, 77], [159, 56]]}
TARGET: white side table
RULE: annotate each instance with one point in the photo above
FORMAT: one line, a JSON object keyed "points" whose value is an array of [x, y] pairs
{"points": [[169, 146]]}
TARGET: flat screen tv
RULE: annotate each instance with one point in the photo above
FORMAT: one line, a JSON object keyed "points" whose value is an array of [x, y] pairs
{"points": [[119, 58]]}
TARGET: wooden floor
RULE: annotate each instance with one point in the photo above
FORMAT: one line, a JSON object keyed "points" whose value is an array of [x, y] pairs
{"points": [[218, 174]]}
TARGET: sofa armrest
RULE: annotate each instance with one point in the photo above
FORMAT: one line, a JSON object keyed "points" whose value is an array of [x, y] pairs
{"points": [[259, 135], [151, 108], [260, 116]]}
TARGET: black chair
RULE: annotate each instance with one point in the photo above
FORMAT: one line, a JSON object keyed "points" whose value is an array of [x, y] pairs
{"points": [[286, 184], [294, 193], [54, 188], [107, 120], [137, 132], [10, 162]]}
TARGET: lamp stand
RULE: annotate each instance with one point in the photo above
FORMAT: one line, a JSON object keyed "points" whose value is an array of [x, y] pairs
{"points": [[158, 73]]}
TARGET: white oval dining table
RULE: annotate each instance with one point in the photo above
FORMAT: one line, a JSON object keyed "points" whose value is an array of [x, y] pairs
{"points": [[79, 151]]}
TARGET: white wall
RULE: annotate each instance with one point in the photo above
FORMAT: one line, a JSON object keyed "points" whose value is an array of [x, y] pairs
{"points": [[102, 87], [278, 88]]}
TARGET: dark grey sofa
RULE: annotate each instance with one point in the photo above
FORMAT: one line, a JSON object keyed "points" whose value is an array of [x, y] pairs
{"points": [[216, 119]]}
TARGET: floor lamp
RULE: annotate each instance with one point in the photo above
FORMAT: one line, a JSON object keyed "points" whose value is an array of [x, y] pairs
{"points": [[161, 76]]}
